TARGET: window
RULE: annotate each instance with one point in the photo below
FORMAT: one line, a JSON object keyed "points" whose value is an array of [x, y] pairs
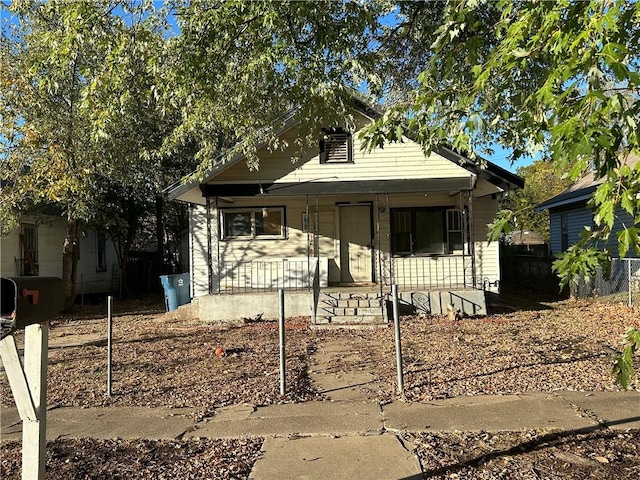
{"points": [[454, 230], [564, 231], [425, 231], [253, 222], [29, 250], [336, 146], [101, 252]]}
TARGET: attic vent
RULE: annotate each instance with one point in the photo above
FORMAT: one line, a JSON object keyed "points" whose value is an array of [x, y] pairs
{"points": [[336, 146]]}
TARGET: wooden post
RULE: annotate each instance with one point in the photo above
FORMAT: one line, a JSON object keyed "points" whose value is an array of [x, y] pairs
{"points": [[34, 441], [29, 388]]}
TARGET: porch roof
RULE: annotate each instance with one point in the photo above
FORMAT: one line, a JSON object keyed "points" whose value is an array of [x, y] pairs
{"points": [[339, 187]]}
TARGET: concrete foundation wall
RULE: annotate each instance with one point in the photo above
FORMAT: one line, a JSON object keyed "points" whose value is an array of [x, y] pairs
{"points": [[233, 309]]}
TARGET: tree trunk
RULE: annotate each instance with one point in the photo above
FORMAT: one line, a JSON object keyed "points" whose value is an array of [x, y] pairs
{"points": [[70, 263]]}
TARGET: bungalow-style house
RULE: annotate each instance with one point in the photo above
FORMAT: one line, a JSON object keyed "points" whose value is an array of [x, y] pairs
{"points": [[336, 229], [569, 213], [34, 248]]}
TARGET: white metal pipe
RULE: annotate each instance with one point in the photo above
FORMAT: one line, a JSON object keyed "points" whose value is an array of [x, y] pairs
{"points": [[109, 345], [396, 324], [282, 341]]}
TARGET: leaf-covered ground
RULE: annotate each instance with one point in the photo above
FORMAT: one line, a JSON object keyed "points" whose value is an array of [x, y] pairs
{"points": [[570, 346], [470, 455], [530, 455], [160, 360], [139, 459]]}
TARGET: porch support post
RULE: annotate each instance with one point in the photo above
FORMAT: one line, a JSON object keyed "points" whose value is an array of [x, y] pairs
{"points": [[209, 256], [464, 237], [378, 252], [306, 210], [472, 240], [389, 255], [218, 234]]}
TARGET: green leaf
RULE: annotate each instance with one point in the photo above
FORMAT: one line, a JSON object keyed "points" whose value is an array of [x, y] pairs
{"points": [[623, 365], [628, 239]]}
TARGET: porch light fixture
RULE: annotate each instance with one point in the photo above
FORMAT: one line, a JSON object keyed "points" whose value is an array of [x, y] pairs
{"points": [[265, 212]]}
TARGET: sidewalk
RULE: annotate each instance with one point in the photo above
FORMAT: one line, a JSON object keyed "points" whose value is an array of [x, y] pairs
{"points": [[359, 440], [347, 437]]}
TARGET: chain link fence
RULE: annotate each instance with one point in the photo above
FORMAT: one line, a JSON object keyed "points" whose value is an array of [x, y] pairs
{"points": [[624, 282]]}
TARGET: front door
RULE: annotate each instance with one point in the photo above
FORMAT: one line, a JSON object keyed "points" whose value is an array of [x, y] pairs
{"points": [[355, 244]]}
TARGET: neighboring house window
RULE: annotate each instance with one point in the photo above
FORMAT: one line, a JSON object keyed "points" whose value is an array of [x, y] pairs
{"points": [[254, 222], [28, 264], [336, 146], [425, 231], [101, 252], [564, 231]]}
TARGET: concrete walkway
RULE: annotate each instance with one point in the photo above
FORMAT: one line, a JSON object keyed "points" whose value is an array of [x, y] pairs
{"points": [[344, 439], [347, 437]]}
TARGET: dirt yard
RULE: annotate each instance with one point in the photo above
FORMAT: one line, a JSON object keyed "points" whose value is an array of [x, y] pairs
{"points": [[162, 361]]}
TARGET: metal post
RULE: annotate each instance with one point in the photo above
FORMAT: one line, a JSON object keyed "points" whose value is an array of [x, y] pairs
{"points": [[109, 345], [282, 340], [629, 279], [34, 441], [396, 323]]}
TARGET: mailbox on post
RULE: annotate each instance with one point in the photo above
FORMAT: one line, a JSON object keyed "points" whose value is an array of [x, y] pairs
{"points": [[29, 303], [28, 300]]}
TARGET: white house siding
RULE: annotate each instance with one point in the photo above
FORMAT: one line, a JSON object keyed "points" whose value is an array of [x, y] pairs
{"points": [[199, 251], [394, 161], [51, 234], [487, 254], [88, 279], [297, 244]]}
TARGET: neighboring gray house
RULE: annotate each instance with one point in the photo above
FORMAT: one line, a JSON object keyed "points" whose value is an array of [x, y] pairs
{"points": [[569, 213]]}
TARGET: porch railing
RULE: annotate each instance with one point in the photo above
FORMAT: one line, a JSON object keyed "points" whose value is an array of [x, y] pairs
{"points": [[432, 273], [268, 275]]}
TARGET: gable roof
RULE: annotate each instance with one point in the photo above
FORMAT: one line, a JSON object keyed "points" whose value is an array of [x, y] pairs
{"points": [[494, 174], [582, 189]]}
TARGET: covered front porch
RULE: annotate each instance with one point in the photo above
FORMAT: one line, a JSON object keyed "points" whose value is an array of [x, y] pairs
{"points": [[338, 255]]}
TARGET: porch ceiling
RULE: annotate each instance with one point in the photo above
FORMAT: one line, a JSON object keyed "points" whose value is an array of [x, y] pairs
{"points": [[337, 187]]}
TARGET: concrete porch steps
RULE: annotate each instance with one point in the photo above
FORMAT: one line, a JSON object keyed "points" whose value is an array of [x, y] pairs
{"points": [[340, 309]]}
